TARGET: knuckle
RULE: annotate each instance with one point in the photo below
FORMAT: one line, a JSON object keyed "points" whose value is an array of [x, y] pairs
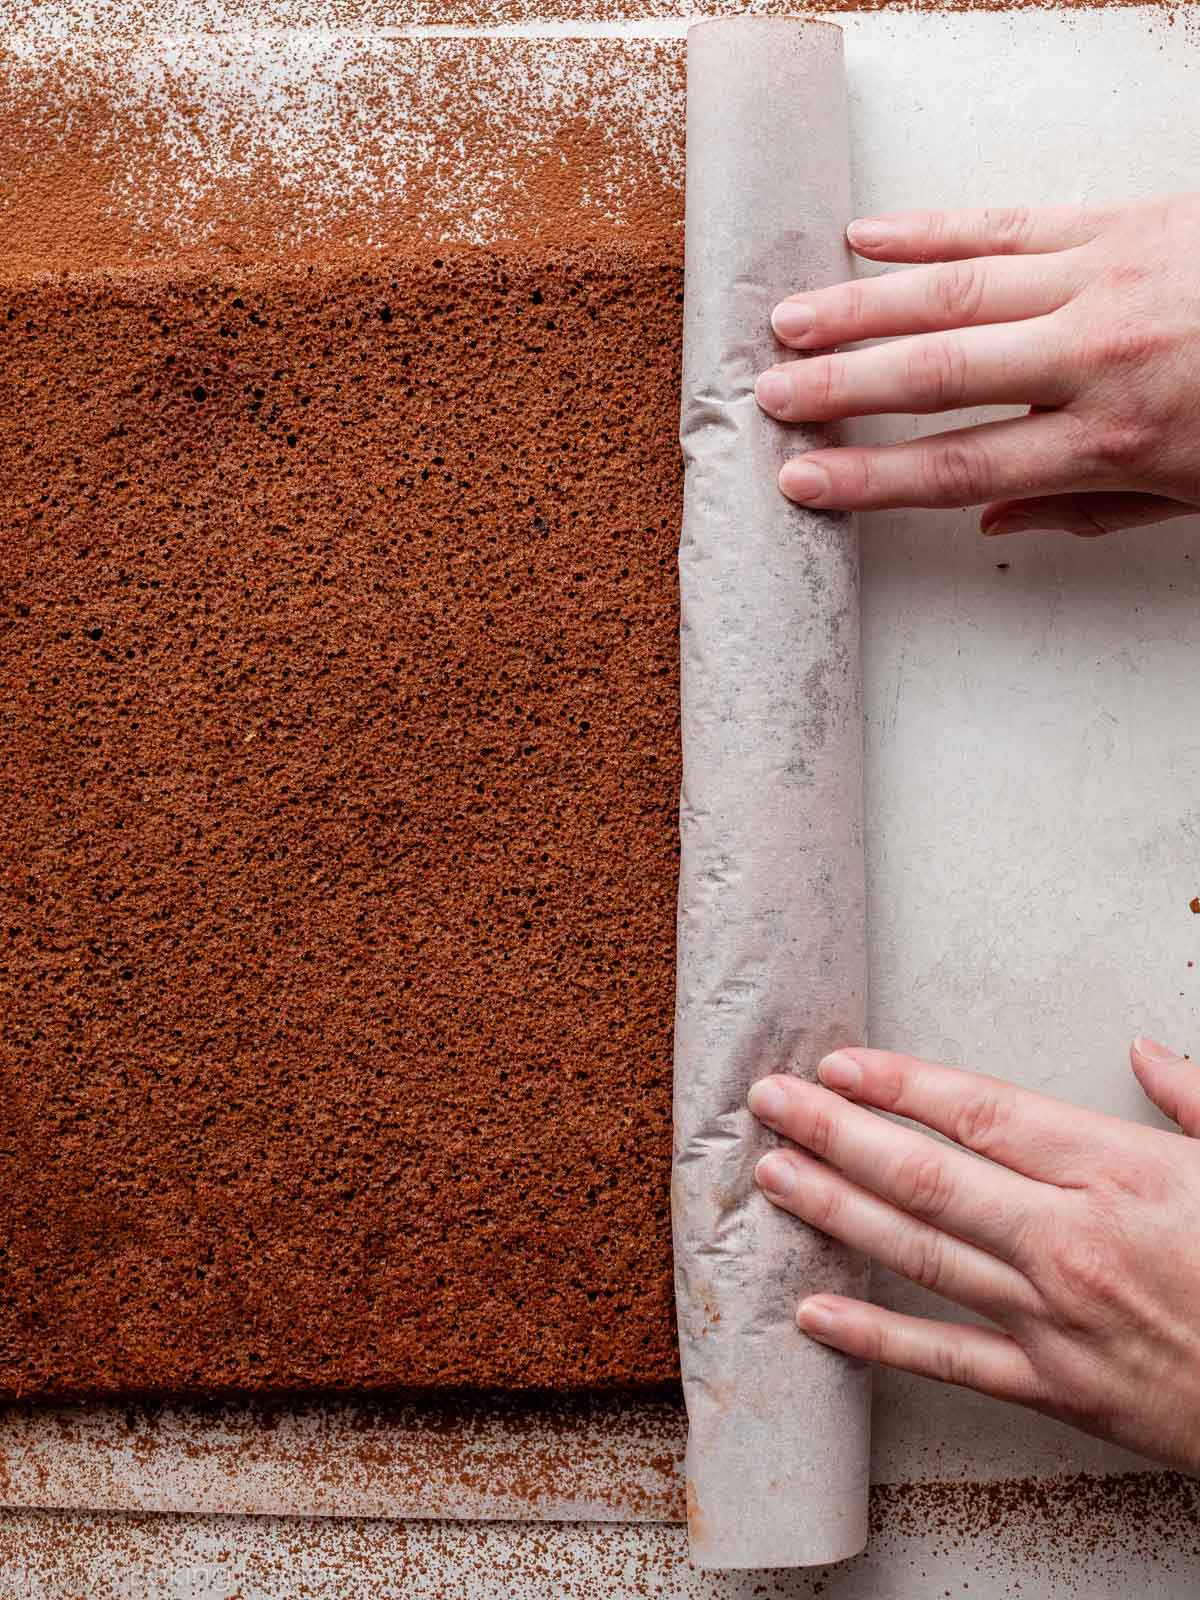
{"points": [[890, 1083], [1120, 443], [935, 374], [828, 376], [1129, 344], [958, 474], [856, 468], [826, 1204], [1139, 1174], [982, 1121], [958, 292], [949, 1362], [949, 1365], [1124, 276], [1027, 1243], [933, 230], [1131, 1179], [818, 1136], [1010, 226], [874, 1343], [1082, 1267], [943, 234], [920, 1256], [920, 1185], [852, 307]]}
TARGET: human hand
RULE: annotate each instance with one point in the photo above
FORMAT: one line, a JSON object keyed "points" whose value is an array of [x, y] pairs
{"points": [[1078, 1236], [1091, 317]]}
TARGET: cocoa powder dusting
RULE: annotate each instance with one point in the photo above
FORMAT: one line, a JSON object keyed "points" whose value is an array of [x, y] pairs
{"points": [[486, 1455], [1052, 1522], [1074, 1537], [117, 17], [278, 147]]}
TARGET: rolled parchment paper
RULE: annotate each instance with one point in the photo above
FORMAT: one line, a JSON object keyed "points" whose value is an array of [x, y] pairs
{"points": [[771, 945]]}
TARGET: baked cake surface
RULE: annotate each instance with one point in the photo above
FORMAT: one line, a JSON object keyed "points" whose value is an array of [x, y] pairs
{"points": [[339, 747]]}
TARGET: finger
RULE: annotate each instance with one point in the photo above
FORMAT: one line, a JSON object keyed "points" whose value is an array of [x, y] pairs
{"points": [[955, 235], [959, 467], [1086, 515], [1043, 1138], [1005, 364], [937, 1261], [974, 1358], [994, 289], [1171, 1081], [938, 1183]]}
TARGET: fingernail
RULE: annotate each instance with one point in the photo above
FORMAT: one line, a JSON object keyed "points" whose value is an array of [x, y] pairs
{"points": [[767, 1100], [840, 1071], [1152, 1050], [773, 391], [1015, 522], [804, 481], [792, 321], [868, 233], [773, 1174], [816, 1316]]}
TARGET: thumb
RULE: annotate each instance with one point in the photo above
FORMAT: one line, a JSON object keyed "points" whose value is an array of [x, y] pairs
{"points": [[1087, 515], [1171, 1081]]}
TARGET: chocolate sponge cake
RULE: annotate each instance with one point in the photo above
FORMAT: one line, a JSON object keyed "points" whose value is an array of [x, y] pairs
{"points": [[339, 753]]}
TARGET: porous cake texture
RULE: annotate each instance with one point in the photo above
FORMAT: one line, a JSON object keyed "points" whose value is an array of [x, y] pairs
{"points": [[339, 750]]}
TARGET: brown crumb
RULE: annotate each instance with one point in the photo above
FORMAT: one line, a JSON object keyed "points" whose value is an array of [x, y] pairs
{"points": [[339, 1056]]}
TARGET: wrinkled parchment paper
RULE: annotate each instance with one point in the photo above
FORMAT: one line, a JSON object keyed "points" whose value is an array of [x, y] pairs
{"points": [[771, 943]]}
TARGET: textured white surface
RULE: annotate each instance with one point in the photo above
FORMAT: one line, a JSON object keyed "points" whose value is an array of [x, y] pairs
{"points": [[599, 1462], [52, 1556]]}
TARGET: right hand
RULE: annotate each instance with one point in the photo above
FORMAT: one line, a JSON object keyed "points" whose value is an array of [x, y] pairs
{"points": [[1091, 317]]}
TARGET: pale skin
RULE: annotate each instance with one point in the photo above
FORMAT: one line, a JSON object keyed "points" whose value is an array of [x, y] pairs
{"points": [[1075, 1235], [1089, 317]]}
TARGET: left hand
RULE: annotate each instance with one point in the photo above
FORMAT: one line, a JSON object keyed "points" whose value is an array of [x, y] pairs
{"points": [[1077, 1237]]}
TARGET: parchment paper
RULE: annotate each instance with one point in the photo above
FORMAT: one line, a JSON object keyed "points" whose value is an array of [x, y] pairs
{"points": [[771, 943]]}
